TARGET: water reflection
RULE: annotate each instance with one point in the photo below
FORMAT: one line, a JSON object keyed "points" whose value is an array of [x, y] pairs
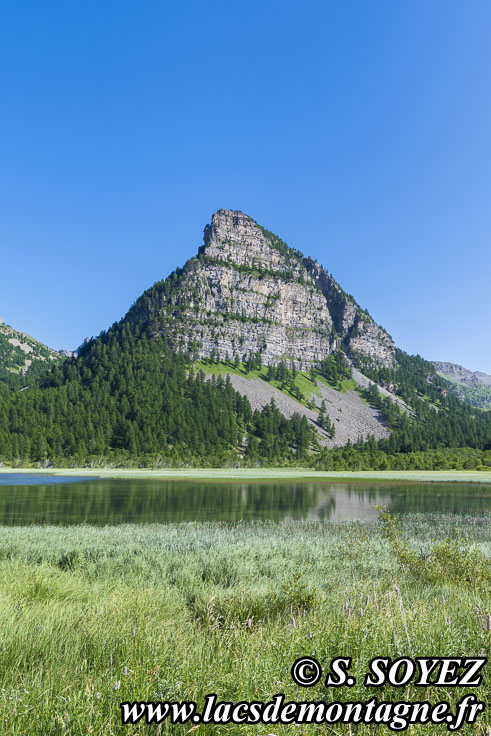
{"points": [[115, 501]]}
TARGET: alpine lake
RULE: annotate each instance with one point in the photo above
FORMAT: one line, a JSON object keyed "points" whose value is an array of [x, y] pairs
{"points": [[127, 589], [27, 499]]}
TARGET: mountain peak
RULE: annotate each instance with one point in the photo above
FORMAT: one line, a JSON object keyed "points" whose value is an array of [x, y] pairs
{"points": [[248, 292], [235, 237], [230, 220]]}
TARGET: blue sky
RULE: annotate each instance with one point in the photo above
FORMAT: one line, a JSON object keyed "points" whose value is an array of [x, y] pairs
{"points": [[360, 132]]}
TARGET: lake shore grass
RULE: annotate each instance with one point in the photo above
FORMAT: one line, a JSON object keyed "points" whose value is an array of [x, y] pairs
{"points": [[264, 474], [92, 617]]}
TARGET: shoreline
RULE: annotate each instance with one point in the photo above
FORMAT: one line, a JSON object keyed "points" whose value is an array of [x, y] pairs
{"points": [[265, 474]]}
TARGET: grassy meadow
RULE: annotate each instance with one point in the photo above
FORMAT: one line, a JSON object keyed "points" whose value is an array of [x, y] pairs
{"points": [[92, 616], [249, 474]]}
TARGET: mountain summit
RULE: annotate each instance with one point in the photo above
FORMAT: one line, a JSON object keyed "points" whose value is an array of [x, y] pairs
{"points": [[251, 353], [247, 292]]}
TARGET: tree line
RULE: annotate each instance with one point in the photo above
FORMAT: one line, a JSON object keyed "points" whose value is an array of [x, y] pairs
{"points": [[129, 399]]}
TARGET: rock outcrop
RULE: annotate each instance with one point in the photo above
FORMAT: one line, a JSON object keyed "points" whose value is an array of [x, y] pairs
{"points": [[455, 372], [474, 387], [247, 292]]}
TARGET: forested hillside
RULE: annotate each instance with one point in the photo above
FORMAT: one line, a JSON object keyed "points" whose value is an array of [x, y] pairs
{"points": [[438, 431], [128, 399], [127, 396], [437, 417], [156, 388], [22, 358]]}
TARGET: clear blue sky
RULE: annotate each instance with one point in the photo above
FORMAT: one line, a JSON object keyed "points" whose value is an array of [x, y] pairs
{"points": [[360, 132]]}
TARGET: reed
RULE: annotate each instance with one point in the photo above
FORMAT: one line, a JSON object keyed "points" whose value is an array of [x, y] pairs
{"points": [[92, 616]]}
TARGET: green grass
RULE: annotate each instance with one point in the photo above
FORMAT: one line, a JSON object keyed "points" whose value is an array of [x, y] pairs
{"points": [[347, 384], [169, 606], [306, 387], [221, 369], [247, 474], [301, 381]]}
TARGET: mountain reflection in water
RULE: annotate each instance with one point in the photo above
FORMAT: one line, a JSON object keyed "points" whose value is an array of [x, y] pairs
{"points": [[117, 501]]}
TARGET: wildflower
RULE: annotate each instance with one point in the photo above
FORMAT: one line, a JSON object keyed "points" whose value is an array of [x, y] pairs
{"points": [[361, 612], [293, 622], [397, 589], [134, 633], [488, 622], [310, 636], [367, 601], [348, 612], [303, 613], [448, 620], [374, 597], [125, 671], [117, 684], [400, 602], [98, 695], [443, 599], [249, 623], [346, 606]]}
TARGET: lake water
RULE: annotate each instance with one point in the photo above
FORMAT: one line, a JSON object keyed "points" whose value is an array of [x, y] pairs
{"points": [[34, 499]]}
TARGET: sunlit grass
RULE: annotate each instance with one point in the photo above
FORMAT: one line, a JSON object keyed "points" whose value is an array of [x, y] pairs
{"points": [[302, 381], [247, 474], [164, 610], [346, 384]]}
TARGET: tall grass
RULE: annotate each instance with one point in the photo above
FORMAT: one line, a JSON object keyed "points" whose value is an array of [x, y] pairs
{"points": [[91, 617]]}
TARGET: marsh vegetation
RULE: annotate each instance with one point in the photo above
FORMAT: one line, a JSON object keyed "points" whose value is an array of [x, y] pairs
{"points": [[95, 616]]}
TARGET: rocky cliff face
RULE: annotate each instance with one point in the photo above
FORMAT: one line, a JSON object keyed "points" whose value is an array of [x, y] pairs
{"points": [[247, 292]]}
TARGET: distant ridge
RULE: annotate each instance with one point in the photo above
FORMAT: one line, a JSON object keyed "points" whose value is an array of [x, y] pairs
{"points": [[22, 357], [474, 387]]}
